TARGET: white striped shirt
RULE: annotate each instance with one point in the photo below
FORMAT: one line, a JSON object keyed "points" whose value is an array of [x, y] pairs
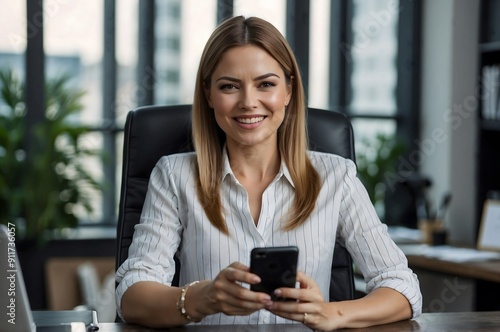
{"points": [[172, 219]]}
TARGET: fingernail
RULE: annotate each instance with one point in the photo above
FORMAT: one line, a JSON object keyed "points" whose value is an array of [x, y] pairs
{"points": [[256, 279], [269, 305], [265, 299], [277, 292]]}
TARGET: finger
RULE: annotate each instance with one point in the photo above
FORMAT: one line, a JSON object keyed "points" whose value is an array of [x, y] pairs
{"points": [[288, 315], [299, 294], [305, 281], [240, 293], [236, 300], [297, 313], [239, 266], [237, 272], [254, 279], [226, 288], [234, 306]]}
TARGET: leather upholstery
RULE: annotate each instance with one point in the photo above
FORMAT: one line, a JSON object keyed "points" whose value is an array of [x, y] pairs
{"points": [[154, 131]]}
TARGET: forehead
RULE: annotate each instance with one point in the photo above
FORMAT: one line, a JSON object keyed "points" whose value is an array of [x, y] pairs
{"points": [[247, 58]]}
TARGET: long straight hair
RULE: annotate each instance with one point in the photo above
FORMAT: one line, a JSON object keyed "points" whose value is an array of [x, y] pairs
{"points": [[208, 138]]}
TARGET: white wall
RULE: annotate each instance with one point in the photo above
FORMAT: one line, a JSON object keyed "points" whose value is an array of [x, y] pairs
{"points": [[449, 106]]}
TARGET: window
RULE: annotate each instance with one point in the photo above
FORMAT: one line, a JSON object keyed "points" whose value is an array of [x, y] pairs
{"points": [[74, 45], [373, 61], [319, 53], [188, 31], [13, 36], [129, 53], [272, 11]]}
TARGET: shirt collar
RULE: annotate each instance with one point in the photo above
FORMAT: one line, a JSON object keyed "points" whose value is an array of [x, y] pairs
{"points": [[226, 169]]}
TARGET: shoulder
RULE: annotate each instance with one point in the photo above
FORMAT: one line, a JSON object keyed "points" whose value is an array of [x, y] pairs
{"points": [[178, 158], [177, 163], [327, 162]]}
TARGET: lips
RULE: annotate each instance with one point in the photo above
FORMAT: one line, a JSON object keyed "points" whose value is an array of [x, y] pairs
{"points": [[250, 120]]}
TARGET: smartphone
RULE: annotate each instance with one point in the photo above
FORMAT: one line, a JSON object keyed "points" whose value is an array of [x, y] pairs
{"points": [[276, 267]]}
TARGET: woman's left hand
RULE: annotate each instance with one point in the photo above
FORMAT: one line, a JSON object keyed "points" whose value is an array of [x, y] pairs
{"points": [[309, 308]]}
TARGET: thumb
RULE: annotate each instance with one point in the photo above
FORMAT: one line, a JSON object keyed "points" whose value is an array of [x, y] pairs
{"points": [[305, 281]]}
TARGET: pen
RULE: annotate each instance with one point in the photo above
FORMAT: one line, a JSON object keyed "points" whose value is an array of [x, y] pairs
{"points": [[444, 206], [92, 327]]}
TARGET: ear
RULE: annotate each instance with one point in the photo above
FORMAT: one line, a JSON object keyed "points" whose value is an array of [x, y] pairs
{"points": [[206, 91]]}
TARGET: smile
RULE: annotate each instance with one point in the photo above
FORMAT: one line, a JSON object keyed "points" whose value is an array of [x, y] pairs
{"points": [[250, 120]]}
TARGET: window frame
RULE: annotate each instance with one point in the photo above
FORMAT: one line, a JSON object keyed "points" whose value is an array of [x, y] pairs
{"points": [[408, 64]]}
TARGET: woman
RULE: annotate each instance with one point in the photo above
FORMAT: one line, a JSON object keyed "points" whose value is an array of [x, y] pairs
{"points": [[257, 187]]}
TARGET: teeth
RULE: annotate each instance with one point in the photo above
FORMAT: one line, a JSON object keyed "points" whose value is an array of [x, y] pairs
{"points": [[251, 120]]}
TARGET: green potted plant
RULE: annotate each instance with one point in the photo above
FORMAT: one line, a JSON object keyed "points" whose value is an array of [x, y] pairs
{"points": [[375, 158], [39, 193]]}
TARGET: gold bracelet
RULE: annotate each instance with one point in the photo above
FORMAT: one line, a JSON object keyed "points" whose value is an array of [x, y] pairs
{"points": [[182, 300]]}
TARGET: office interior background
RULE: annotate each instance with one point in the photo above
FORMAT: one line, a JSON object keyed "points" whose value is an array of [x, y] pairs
{"points": [[408, 73]]}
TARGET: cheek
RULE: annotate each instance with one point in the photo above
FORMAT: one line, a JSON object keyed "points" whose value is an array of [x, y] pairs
{"points": [[221, 118], [222, 102], [218, 116], [277, 100]]}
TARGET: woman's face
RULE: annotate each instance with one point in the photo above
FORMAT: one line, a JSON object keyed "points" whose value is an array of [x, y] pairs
{"points": [[248, 93]]}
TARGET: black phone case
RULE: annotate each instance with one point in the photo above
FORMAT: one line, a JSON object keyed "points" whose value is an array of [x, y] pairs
{"points": [[276, 267]]}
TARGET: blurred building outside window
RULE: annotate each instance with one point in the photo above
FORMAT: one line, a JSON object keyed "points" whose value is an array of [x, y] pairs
{"points": [[73, 39]]}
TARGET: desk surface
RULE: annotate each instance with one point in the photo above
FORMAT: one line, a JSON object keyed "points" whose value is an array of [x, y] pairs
{"points": [[488, 270], [468, 321], [409, 239]]}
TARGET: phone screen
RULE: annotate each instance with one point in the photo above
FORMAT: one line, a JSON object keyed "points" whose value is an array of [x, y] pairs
{"points": [[276, 267]]}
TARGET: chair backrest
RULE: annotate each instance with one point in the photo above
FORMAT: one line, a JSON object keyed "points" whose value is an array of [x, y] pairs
{"points": [[154, 131]]}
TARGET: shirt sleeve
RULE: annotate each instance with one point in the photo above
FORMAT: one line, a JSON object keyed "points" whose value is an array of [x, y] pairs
{"points": [[156, 238], [376, 255]]}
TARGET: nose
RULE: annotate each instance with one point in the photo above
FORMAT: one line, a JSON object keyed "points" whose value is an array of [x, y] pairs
{"points": [[248, 99]]}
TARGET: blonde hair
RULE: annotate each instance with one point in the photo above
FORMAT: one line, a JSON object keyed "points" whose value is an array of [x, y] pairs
{"points": [[208, 138]]}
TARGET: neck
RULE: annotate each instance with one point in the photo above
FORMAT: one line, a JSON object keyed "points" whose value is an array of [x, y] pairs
{"points": [[256, 163]]}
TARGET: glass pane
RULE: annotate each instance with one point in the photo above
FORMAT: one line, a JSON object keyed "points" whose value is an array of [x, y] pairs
{"points": [[273, 11], [373, 56], [182, 29], [376, 153], [366, 131], [73, 41], [93, 165], [319, 53], [127, 26], [13, 36]]}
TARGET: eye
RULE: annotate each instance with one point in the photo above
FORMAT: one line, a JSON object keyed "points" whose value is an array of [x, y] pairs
{"points": [[267, 84], [227, 86]]}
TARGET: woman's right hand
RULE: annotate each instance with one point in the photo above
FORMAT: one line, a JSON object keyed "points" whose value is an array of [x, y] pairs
{"points": [[225, 294]]}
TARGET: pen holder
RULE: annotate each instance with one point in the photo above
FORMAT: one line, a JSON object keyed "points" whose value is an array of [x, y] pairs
{"points": [[433, 232]]}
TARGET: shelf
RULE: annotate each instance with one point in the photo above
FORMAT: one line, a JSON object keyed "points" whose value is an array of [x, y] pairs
{"points": [[490, 47], [488, 138], [492, 125]]}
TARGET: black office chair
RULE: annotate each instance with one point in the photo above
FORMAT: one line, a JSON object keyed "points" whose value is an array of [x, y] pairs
{"points": [[154, 131]]}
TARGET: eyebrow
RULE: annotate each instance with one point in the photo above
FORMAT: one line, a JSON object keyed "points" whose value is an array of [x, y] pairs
{"points": [[258, 78]]}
